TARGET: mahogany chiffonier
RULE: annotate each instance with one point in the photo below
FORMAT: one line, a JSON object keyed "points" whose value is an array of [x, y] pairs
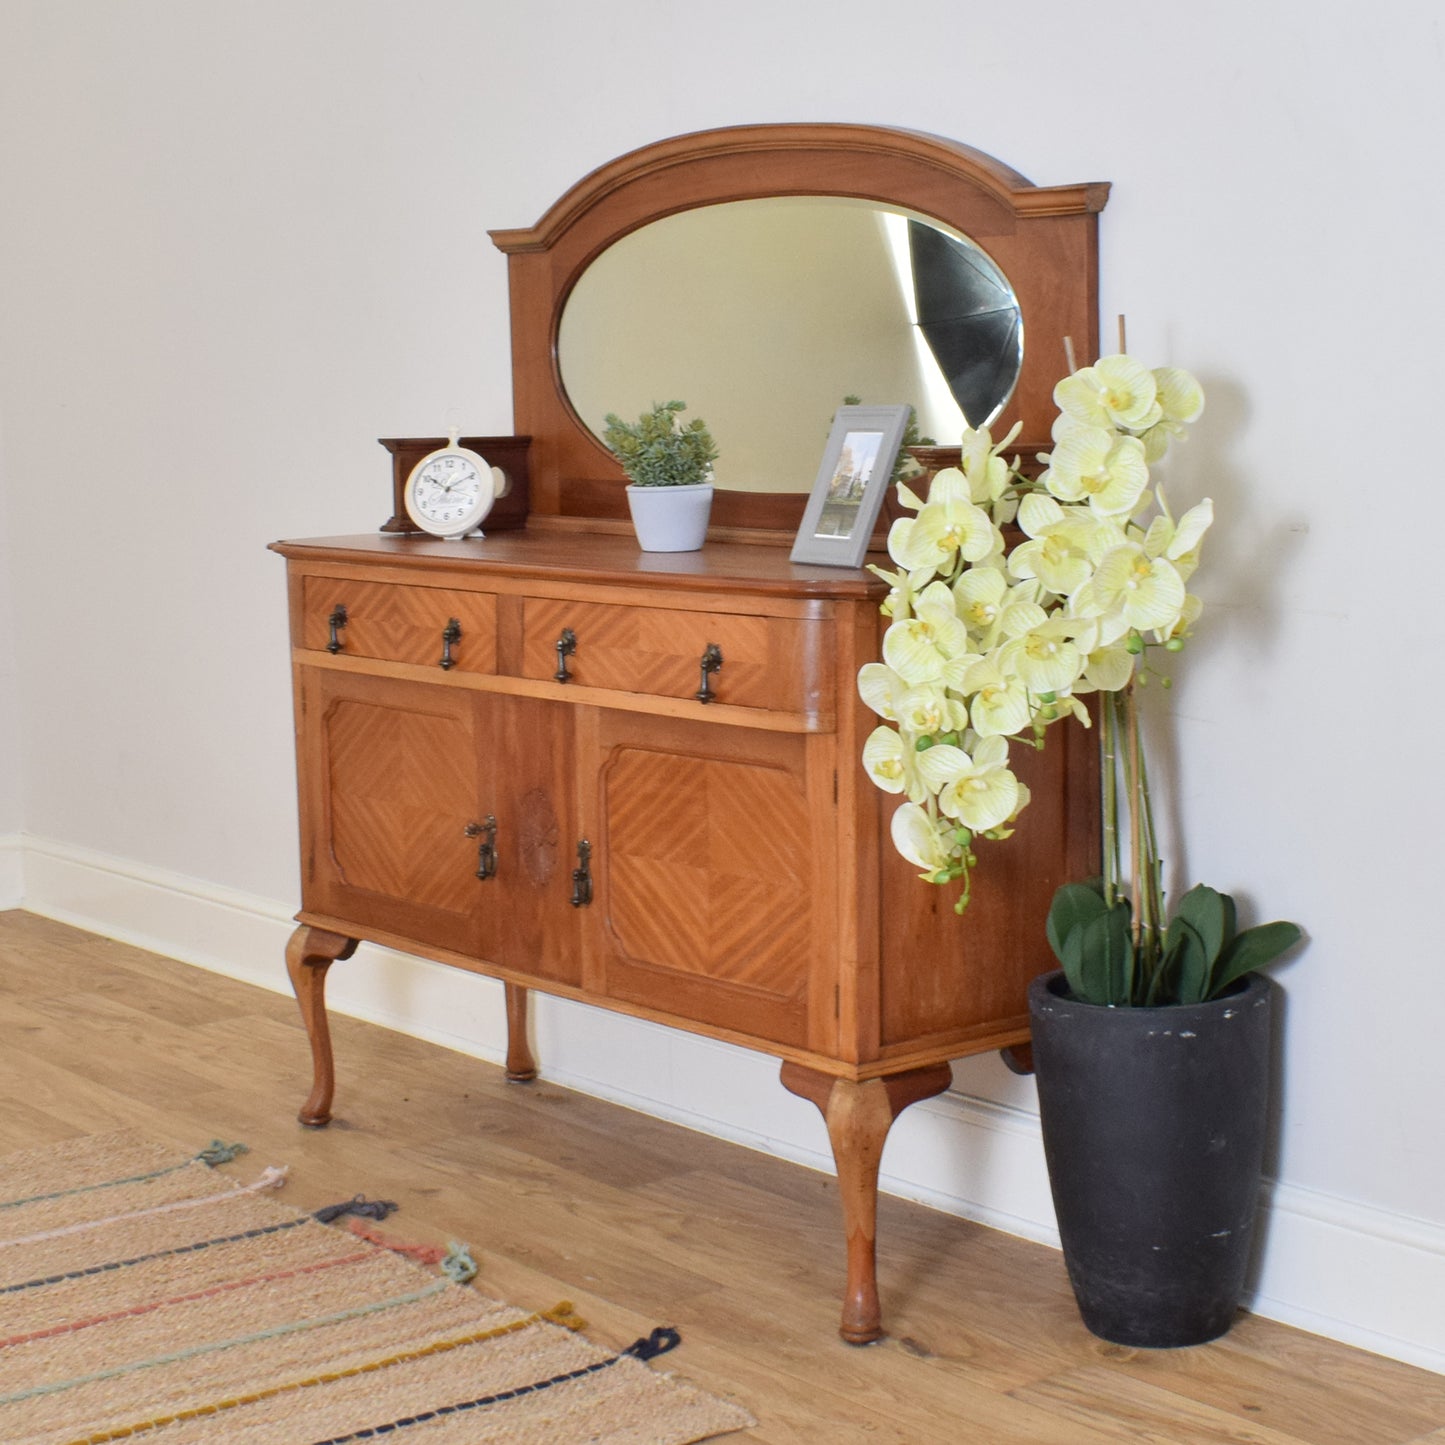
{"points": [[633, 779]]}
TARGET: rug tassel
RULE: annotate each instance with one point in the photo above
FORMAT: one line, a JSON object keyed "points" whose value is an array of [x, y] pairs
{"points": [[458, 1265], [272, 1177], [360, 1206], [565, 1314], [219, 1152], [659, 1342]]}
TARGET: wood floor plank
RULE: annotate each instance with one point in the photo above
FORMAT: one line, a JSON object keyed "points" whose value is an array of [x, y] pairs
{"points": [[642, 1223]]}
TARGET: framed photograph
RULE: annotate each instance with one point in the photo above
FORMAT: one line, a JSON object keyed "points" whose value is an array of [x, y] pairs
{"points": [[857, 465]]}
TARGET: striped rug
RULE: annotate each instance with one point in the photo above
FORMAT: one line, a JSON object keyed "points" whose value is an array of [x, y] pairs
{"points": [[148, 1295]]}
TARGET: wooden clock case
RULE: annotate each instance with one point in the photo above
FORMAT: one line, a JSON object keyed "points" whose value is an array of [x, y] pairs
{"points": [[515, 757]]}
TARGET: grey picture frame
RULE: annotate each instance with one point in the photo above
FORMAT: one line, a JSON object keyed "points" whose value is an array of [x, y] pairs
{"points": [[852, 479]]}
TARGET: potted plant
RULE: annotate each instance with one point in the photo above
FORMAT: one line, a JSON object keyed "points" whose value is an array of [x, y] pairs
{"points": [[669, 470], [1151, 1045]]}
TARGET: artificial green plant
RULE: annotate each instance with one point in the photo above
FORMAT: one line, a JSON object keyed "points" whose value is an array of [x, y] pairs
{"points": [[658, 451]]}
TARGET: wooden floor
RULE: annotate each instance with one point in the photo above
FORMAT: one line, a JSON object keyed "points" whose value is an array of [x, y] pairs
{"points": [[643, 1223]]}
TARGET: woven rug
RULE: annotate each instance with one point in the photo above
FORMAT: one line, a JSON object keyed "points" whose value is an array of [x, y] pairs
{"points": [[153, 1296]]}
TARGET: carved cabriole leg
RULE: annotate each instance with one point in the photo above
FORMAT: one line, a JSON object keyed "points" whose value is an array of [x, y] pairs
{"points": [[858, 1116], [309, 953], [521, 1066]]}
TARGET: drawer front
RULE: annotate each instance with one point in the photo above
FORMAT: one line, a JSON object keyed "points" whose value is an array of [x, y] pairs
{"points": [[401, 623], [778, 663]]}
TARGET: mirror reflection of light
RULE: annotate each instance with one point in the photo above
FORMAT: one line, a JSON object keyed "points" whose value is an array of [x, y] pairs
{"points": [[938, 414]]}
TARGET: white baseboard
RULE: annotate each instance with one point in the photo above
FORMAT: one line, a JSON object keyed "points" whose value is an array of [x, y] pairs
{"points": [[12, 871], [1335, 1267]]}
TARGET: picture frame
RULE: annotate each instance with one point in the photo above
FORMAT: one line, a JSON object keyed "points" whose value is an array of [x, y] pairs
{"points": [[852, 480]]}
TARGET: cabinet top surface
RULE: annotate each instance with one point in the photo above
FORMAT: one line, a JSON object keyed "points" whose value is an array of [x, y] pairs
{"points": [[719, 566]]}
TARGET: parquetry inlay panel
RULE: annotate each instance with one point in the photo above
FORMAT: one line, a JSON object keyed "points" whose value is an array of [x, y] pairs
{"points": [[403, 624], [402, 790], [681, 895], [767, 661]]}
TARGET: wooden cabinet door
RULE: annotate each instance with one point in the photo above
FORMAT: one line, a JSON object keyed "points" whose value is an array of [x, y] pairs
{"points": [[533, 744], [393, 774], [709, 903]]}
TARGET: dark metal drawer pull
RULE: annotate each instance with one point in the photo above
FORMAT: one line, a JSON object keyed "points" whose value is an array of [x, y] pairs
{"points": [[451, 633], [336, 622], [566, 647], [486, 830], [582, 875], [712, 661]]}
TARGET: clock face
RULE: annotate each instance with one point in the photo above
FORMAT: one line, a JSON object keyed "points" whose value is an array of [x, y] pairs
{"points": [[447, 489], [450, 492]]}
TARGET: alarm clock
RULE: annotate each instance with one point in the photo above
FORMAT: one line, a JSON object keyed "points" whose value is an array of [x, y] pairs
{"points": [[450, 491]]}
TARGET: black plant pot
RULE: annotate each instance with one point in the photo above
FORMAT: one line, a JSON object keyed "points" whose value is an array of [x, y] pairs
{"points": [[1154, 1124]]}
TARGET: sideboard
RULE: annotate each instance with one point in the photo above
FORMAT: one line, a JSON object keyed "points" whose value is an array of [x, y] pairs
{"points": [[634, 779]]}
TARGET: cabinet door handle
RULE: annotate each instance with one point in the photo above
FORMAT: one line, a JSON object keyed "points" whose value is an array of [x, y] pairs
{"points": [[566, 647], [712, 661], [582, 875], [451, 633], [336, 622], [486, 830]]}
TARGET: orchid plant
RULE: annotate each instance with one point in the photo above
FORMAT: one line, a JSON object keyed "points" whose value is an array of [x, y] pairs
{"points": [[989, 647]]}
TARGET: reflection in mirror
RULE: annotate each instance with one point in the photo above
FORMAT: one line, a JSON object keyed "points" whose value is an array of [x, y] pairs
{"points": [[764, 314]]}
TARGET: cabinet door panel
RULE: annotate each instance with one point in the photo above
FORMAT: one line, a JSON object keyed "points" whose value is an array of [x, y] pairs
{"points": [[533, 742], [391, 777], [706, 889]]}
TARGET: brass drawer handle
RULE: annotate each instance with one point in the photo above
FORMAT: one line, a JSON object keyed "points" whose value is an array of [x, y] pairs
{"points": [[566, 647], [336, 622], [451, 633], [582, 875], [712, 661], [486, 830]]}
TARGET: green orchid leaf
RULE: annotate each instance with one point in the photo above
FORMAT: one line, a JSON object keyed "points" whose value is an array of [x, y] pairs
{"points": [[1194, 963], [1206, 912], [1074, 905], [1075, 963], [1098, 957], [1252, 949]]}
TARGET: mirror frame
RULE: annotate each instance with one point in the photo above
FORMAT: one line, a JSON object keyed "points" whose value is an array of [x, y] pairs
{"points": [[1043, 238]]}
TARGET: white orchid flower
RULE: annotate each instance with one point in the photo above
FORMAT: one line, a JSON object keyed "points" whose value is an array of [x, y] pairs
{"points": [[998, 700], [980, 596], [978, 790], [1041, 649], [928, 843], [1179, 394], [1058, 553], [1116, 391], [1107, 666], [1131, 591], [882, 689], [891, 761], [1179, 542], [932, 645], [949, 524], [1101, 467], [929, 709], [987, 473], [1188, 616], [902, 587]]}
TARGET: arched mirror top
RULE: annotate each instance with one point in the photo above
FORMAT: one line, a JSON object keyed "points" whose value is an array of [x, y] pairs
{"points": [[1042, 239]]}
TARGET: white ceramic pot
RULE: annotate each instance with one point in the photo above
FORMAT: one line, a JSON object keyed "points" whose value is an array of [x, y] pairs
{"points": [[670, 519]]}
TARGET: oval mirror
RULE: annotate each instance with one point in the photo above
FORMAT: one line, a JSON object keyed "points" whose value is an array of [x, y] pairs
{"points": [[764, 315]]}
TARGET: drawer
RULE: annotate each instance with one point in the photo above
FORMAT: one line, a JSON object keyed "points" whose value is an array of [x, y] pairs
{"points": [[400, 623], [777, 663]]}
